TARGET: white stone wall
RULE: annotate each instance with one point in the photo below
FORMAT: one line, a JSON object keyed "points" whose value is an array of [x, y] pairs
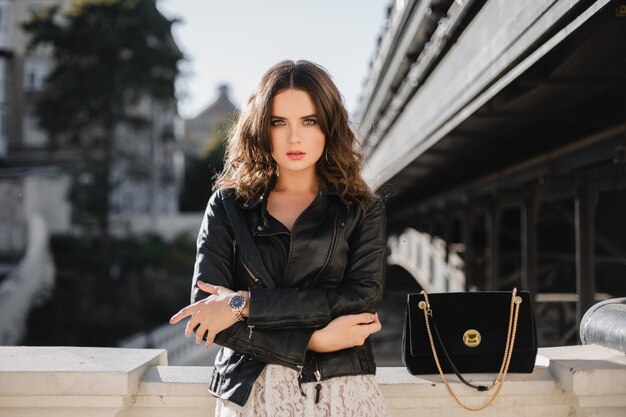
{"points": [[572, 381], [27, 196]]}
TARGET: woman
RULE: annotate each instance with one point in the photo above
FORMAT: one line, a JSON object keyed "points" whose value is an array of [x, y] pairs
{"points": [[291, 252]]}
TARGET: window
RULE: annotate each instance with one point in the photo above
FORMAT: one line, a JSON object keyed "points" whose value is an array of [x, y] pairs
{"points": [[33, 135], [35, 73], [35, 8]]}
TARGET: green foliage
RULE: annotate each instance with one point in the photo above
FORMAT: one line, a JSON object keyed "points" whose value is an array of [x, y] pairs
{"points": [[150, 281]]}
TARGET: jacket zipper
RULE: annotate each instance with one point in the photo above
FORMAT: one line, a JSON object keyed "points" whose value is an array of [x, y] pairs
{"points": [[254, 278], [248, 270], [301, 368], [318, 378], [318, 386], [330, 251], [250, 328]]}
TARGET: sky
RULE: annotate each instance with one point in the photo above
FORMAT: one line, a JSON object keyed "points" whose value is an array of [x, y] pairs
{"points": [[236, 41]]}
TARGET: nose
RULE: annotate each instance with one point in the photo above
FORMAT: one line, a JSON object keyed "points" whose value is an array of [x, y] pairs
{"points": [[294, 135]]}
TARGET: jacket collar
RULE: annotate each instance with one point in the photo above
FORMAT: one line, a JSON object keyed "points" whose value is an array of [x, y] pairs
{"points": [[260, 224], [262, 195]]}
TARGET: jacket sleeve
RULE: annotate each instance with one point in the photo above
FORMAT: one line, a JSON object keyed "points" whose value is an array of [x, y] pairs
{"points": [[214, 265], [361, 290], [214, 249]]}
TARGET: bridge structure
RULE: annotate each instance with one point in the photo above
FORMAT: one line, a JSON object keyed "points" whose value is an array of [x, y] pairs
{"points": [[497, 132]]}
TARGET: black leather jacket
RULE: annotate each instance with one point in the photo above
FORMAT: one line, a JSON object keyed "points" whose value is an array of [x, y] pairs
{"points": [[335, 267]]}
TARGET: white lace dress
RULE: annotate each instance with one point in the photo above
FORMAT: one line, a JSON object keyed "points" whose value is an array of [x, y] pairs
{"points": [[275, 393]]}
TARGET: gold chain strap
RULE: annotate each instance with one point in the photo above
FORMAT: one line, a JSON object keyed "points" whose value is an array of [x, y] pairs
{"points": [[508, 351]]}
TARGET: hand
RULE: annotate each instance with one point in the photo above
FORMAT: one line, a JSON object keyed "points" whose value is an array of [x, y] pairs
{"points": [[345, 332], [212, 315]]}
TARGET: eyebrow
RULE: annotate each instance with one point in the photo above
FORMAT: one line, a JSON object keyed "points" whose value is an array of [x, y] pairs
{"points": [[303, 117]]}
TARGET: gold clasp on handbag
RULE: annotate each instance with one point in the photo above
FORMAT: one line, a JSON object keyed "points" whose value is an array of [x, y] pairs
{"points": [[471, 338], [424, 305]]}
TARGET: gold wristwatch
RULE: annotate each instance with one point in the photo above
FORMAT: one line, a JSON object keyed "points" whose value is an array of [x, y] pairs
{"points": [[237, 304]]}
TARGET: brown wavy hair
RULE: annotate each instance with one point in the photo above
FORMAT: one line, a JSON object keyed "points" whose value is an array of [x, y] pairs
{"points": [[249, 165]]}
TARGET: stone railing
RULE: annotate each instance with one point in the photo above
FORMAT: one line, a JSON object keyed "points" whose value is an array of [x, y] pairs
{"points": [[424, 257], [181, 351], [27, 284], [74, 381]]}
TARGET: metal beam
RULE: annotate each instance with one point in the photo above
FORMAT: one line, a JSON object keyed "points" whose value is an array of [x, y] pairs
{"points": [[572, 82], [529, 211], [492, 225], [586, 198], [468, 239], [597, 147], [530, 116]]}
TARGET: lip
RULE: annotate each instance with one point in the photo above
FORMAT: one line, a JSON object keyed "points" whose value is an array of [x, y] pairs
{"points": [[295, 155]]}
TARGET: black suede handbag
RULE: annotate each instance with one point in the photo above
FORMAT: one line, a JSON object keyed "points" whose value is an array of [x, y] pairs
{"points": [[470, 332]]}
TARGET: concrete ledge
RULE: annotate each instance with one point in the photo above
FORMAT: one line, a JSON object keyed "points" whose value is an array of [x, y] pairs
{"points": [[71, 381], [48, 371]]}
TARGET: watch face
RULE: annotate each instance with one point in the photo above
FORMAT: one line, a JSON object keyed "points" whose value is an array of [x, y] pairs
{"points": [[237, 302]]}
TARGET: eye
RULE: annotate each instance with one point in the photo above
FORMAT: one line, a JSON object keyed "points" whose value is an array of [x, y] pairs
{"points": [[277, 122], [310, 121]]}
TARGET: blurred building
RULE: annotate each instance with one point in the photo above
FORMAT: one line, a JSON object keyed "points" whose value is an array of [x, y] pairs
{"points": [[203, 132], [148, 164], [36, 178]]}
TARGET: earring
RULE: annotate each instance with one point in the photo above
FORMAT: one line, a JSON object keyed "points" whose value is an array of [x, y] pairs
{"points": [[326, 156]]}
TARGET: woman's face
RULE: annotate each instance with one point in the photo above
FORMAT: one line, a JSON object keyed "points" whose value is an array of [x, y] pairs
{"points": [[296, 138]]}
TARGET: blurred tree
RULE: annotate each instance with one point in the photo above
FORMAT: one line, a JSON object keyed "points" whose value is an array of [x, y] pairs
{"points": [[200, 171], [108, 54]]}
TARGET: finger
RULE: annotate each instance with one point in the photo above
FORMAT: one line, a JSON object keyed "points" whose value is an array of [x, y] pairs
{"points": [[206, 287], [364, 318], [191, 324], [210, 338], [352, 319], [184, 312], [200, 331], [372, 327]]}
